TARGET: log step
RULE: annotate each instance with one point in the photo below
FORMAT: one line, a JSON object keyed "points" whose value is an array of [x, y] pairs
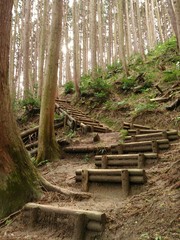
{"points": [[124, 176], [139, 147], [92, 149], [125, 160], [127, 125], [170, 135], [95, 220]]}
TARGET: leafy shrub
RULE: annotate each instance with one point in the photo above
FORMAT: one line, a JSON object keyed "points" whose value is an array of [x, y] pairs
{"points": [[171, 75], [97, 88], [69, 87], [32, 101], [128, 83]]}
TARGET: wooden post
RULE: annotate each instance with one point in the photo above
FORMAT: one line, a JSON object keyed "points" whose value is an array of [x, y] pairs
{"points": [[154, 146], [125, 182], [80, 227], [141, 160], [65, 120], [85, 180], [104, 161], [133, 138], [164, 134], [119, 149]]}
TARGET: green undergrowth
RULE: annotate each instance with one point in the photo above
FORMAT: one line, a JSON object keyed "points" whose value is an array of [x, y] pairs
{"points": [[113, 92]]}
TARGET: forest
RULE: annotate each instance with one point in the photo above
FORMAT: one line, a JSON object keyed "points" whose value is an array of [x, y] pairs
{"points": [[89, 119]]}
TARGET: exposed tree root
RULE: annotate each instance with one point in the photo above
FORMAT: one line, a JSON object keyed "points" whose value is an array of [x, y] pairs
{"points": [[47, 186], [12, 215]]}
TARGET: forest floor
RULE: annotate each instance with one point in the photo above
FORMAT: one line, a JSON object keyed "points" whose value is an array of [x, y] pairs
{"points": [[151, 211]]}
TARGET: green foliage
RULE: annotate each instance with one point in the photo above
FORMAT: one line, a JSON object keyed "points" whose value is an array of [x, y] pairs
{"points": [[113, 69], [69, 87], [171, 75], [97, 88], [123, 133], [86, 158], [128, 83], [32, 101], [70, 134]]}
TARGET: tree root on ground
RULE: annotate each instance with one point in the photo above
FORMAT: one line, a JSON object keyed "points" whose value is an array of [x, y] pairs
{"points": [[47, 186]]}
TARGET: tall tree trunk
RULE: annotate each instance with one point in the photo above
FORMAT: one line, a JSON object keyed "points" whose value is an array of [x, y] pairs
{"points": [[177, 13], [161, 37], [100, 35], [121, 36], [66, 34], [93, 40], [76, 63], [47, 145], [141, 45], [85, 37], [42, 48], [134, 30], [18, 178], [26, 37], [109, 45]]}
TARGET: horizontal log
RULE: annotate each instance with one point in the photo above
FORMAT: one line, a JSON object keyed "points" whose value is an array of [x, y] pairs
{"points": [[134, 125], [29, 131], [91, 215], [127, 156], [95, 226], [160, 99], [112, 179], [173, 135], [118, 162], [86, 149], [31, 145], [132, 132], [111, 172]]}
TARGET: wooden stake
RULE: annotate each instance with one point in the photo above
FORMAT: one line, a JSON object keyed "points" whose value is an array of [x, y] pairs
{"points": [[104, 161], [85, 180], [119, 149], [155, 146], [125, 182], [80, 227], [141, 160]]}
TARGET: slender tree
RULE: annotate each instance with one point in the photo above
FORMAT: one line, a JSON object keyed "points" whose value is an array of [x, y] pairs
{"points": [[47, 145], [42, 48], [18, 178], [26, 37], [121, 36], [93, 40], [76, 66], [177, 13]]}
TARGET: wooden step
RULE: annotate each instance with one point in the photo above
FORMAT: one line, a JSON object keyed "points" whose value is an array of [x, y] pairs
{"points": [[95, 220], [125, 160], [124, 176], [170, 135], [127, 125], [139, 147]]}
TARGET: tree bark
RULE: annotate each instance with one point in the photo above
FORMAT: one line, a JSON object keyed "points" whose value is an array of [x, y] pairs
{"points": [[47, 145], [18, 178]]}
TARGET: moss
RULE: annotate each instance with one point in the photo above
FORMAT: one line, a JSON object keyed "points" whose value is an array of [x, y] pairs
{"points": [[18, 191], [20, 185]]}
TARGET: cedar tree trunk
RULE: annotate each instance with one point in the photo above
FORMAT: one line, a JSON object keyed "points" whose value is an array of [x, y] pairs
{"points": [[18, 177]]}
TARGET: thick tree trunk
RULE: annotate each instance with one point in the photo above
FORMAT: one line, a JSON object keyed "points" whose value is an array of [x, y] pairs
{"points": [[18, 178], [47, 145]]}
